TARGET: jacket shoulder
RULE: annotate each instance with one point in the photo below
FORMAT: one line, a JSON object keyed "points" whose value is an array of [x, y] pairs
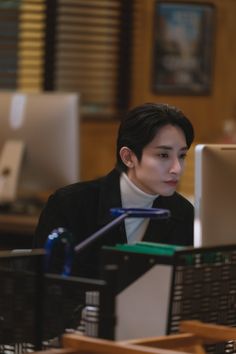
{"points": [[87, 189], [77, 188]]}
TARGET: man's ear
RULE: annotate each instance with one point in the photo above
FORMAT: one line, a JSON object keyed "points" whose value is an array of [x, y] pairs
{"points": [[127, 156]]}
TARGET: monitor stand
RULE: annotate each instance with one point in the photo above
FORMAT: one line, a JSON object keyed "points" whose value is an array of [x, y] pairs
{"points": [[10, 164]]}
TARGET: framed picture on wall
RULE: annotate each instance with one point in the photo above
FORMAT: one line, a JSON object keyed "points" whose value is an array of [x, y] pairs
{"points": [[183, 47]]}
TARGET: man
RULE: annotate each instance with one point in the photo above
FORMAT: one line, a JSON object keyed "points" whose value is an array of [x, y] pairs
{"points": [[152, 144]]}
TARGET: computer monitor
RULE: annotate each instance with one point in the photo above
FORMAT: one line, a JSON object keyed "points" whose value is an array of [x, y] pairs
{"points": [[215, 195], [40, 133]]}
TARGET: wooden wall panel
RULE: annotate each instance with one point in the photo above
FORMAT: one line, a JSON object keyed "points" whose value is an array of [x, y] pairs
{"points": [[206, 112], [98, 148]]}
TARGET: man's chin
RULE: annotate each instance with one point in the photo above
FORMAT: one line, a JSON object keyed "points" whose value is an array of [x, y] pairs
{"points": [[168, 193]]}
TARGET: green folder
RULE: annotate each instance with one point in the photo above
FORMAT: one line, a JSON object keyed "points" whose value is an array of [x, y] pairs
{"points": [[148, 248]]}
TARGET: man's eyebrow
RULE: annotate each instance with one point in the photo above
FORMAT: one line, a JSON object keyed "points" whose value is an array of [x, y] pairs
{"points": [[166, 147]]}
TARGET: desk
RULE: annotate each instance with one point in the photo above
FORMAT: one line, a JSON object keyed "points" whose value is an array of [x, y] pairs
{"points": [[16, 231]]}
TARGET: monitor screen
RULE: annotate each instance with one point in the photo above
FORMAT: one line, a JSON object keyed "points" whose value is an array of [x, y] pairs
{"points": [[215, 195], [47, 124]]}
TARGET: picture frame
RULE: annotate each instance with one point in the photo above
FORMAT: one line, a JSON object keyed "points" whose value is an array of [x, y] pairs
{"points": [[183, 47]]}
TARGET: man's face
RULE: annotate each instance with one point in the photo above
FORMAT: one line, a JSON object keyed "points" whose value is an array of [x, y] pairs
{"points": [[162, 162]]}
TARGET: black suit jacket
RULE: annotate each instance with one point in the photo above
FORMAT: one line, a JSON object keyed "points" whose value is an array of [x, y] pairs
{"points": [[84, 207]]}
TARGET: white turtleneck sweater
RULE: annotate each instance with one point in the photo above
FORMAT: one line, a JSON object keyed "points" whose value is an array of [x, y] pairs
{"points": [[133, 197]]}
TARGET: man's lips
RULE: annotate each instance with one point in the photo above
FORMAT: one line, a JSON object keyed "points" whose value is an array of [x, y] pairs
{"points": [[172, 183]]}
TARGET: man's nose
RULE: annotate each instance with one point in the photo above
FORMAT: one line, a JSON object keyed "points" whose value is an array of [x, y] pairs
{"points": [[176, 166]]}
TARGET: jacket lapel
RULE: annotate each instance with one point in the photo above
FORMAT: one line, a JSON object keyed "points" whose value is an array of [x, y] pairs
{"points": [[110, 197]]}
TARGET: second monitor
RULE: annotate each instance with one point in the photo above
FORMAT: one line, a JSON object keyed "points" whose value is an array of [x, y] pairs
{"points": [[45, 128], [215, 195]]}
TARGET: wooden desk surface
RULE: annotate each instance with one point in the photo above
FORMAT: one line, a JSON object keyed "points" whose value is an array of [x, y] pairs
{"points": [[18, 224]]}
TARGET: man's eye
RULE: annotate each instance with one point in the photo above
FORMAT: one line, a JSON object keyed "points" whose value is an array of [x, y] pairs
{"points": [[183, 156], [163, 155]]}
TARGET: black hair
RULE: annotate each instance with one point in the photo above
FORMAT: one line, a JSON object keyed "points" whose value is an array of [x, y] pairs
{"points": [[140, 125]]}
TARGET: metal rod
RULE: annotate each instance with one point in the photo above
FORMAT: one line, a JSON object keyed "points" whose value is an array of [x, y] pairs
{"points": [[101, 231]]}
